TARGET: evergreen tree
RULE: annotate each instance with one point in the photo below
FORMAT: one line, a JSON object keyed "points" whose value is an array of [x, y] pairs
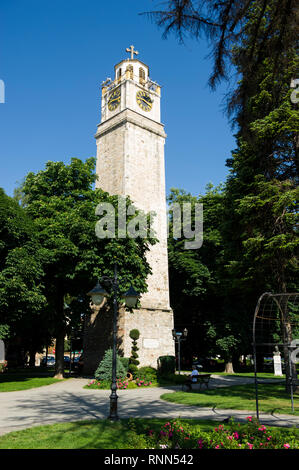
{"points": [[259, 40], [104, 370]]}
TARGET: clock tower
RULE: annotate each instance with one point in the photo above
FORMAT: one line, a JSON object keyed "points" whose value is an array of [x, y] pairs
{"points": [[130, 162]]}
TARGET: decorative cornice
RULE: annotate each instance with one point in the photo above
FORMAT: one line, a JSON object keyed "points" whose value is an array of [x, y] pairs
{"points": [[130, 116]]}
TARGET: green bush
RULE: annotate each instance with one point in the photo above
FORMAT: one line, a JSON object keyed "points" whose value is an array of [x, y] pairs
{"points": [[104, 370], [148, 373], [133, 360], [125, 362], [166, 365], [134, 370]]}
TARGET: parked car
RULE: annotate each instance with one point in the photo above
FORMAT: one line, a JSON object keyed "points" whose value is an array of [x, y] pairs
{"points": [[78, 363], [50, 361], [66, 361]]}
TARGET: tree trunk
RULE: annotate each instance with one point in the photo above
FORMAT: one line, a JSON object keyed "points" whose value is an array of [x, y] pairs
{"points": [[32, 354], [290, 368], [59, 355], [60, 334], [229, 368]]}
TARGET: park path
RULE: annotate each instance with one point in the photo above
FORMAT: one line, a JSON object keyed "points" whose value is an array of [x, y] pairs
{"points": [[69, 401]]}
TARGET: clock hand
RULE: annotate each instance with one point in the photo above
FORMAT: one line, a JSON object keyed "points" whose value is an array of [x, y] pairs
{"points": [[145, 101]]}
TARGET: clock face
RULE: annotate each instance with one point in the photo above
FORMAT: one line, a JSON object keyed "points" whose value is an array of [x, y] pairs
{"points": [[114, 99], [144, 100]]}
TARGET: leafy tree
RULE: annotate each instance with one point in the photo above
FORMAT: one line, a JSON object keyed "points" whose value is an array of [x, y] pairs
{"points": [[62, 202], [198, 282], [22, 300]]}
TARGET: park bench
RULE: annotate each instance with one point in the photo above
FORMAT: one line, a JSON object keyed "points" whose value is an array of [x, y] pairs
{"points": [[201, 379]]}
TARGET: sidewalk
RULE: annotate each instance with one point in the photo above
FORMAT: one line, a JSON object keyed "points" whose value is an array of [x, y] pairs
{"points": [[69, 401]]}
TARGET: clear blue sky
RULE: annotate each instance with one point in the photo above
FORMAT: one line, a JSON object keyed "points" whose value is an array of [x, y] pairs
{"points": [[54, 56]]}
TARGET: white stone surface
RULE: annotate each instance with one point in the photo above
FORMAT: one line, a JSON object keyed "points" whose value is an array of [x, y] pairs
{"points": [[130, 162]]}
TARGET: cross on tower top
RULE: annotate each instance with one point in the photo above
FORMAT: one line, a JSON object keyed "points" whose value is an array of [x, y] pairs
{"points": [[132, 51]]}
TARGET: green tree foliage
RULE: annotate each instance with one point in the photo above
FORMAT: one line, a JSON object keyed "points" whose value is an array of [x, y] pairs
{"points": [[224, 24], [197, 279], [22, 298], [62, 201], [261, 191], [257, 39]]}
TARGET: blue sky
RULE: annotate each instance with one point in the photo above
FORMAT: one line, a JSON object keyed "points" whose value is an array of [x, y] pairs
{"points": [[54, 56]]}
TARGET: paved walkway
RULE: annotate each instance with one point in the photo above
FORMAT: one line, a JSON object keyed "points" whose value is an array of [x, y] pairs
{"points": [[69, 401]]}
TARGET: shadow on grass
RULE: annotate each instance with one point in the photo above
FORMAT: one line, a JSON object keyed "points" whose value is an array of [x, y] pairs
{"points": [[19, 375], [272, 397]]}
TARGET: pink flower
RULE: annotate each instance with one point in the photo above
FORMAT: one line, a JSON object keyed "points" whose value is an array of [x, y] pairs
{"points": [[286, 446], [217, 447], [200, 443], [250, 445], [249, 418]]}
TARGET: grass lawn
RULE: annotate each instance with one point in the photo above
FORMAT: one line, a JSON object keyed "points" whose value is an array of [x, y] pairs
{"points": [[260, 375], [272, 397], [25, 379], [98, 434]]}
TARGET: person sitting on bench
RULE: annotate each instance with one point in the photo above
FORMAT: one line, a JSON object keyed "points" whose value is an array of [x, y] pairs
{"points": [[192, 379]]}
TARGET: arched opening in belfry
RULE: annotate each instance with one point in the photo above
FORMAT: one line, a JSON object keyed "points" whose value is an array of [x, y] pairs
{"points": [[119, 75], [141, 76], [129, 71]]}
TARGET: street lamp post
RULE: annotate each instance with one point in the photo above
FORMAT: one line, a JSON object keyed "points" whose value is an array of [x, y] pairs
{"points": [[97, 294], [178, 337]]}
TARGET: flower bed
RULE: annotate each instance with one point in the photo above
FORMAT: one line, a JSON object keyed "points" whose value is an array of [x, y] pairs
{"points": [[122, 384], [252, 435]]}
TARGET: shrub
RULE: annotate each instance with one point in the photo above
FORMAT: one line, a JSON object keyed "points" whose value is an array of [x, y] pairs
{"points": [[147, 373], [133, 360], [3, 366], [253, 435], [166, 365], [104, 370], [125, 362]]}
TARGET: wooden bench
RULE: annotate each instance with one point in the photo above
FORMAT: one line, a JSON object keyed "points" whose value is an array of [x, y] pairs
{"points": [[201, 379]]}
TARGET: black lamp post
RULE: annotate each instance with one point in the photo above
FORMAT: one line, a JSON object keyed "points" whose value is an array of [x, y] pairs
{"points": [[178, 337], [97, 294]]}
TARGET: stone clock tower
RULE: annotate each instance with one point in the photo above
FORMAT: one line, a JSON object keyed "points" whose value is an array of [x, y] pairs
{"points": [[130, 162]]}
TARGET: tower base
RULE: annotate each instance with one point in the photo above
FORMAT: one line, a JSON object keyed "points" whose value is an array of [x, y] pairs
{"points": [[155, 327]]}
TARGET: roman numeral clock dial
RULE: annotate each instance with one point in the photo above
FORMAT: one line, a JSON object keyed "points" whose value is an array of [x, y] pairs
{"points": [[114, 99], [144, 100]]}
